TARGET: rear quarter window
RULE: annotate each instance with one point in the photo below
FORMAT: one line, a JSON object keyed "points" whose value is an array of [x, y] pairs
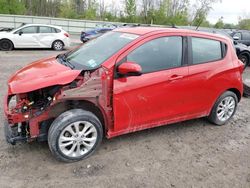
{"points": [[207, 50], [57, 30]]}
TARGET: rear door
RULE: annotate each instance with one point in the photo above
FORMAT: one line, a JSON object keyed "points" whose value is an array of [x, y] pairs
{"points": [[159, 93], [206, 73], [26, 37], [47, 35]]}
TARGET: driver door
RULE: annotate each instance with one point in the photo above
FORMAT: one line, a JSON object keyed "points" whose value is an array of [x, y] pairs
{"points": [[27, 37], [156, 96]]}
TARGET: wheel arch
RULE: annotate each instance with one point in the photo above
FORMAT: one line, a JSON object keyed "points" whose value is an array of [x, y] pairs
{"points": [[237, 92], [234, 90], [66, 105], [8, 40]]}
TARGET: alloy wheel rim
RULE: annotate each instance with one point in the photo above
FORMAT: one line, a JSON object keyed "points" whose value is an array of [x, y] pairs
{"points": [[77, 139], [58, 45], [226, 109]]}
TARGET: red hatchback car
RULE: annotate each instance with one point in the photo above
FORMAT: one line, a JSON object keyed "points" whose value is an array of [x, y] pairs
{"points": [[127, 80]]}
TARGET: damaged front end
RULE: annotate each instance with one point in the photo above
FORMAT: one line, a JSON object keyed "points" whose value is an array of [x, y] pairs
{"points": [[29, 115], [24, 110]]}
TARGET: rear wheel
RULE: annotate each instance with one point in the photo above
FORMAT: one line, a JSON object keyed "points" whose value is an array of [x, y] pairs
{"points": [[246, 81], [244, 58], [75, 135], [224, 108], [58, 45], [6, 45]]}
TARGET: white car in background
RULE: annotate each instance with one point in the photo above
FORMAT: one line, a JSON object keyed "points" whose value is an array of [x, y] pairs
{"points": [[35, 36]]}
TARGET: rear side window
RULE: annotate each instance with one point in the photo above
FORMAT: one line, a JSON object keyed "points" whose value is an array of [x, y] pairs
{"points": [[206, 50], [57, 30], [47, 30], [158, 54]]}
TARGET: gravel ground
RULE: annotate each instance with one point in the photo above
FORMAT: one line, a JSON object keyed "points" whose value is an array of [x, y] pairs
{"points": [[189, 154]]}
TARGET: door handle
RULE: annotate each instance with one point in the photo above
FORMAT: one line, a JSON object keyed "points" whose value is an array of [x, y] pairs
{"points": [[175, 77]]}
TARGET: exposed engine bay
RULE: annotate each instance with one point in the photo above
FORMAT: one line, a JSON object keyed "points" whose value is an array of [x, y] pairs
{"points": [[29, 105], [35, 100], [30, 114]]}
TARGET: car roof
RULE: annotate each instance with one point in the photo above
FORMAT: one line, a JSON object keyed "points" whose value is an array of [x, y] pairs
{"points": [[147, 30], [46, 25], [139, 30], [208, 30]]}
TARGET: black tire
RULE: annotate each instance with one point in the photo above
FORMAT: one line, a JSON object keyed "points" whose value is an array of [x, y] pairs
{"points": [[57, 45], [6, 45], [244, 59], [213, 117], [62, 122], [246, 92]]}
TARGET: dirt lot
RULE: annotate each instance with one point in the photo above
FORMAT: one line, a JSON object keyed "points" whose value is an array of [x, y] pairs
{"points": [[188, 154]]}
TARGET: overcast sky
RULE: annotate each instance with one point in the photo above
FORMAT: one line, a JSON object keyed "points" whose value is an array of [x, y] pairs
{"points": [[231, 10]]}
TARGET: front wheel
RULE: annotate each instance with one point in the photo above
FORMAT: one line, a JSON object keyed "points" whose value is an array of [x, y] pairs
{"points": [[6, 45], [74, 135], [224, 108]]}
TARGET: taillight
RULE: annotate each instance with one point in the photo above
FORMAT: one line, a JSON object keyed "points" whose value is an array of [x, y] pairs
{"points": [[66, 34]]}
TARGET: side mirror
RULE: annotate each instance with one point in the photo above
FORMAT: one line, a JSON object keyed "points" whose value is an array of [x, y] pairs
{"points": [[20, 33], [130, 69], [236, 38]]}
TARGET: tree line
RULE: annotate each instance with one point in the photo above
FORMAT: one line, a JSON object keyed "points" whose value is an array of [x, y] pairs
{"points": [[159, 12]]}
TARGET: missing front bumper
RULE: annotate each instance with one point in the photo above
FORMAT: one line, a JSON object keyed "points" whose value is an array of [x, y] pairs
{"points": [[10, 136]]}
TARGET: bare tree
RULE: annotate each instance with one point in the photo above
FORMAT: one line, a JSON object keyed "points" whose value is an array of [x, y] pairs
{"points": [[80, 6], [102, 8], [201, 9], [177, 6], [147, 7]]}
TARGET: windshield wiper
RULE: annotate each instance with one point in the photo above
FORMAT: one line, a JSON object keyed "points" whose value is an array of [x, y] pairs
{"points": [[63, 60]]}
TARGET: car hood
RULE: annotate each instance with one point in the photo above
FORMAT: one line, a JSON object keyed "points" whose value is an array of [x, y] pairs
{"points": [[41, 74], [4, 34]]}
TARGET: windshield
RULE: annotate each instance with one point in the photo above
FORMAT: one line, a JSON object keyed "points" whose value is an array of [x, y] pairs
{"points": [[14, 30], [92, 54]]}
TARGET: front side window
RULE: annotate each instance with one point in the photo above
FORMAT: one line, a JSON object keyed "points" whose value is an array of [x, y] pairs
{"points": [[205, 50], [29, 30], [158, 54]]}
